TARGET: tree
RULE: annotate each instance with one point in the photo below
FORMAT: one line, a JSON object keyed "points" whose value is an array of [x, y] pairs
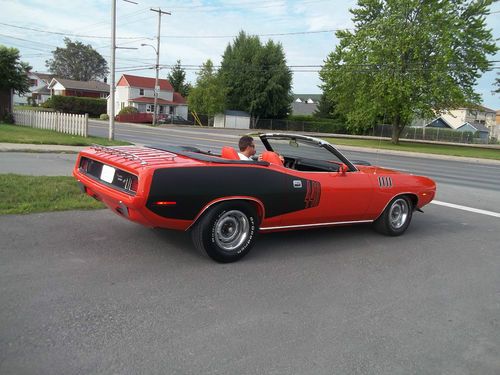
{"points": [[208, 96], [13, 76], [407, 59], [77, 61], [257, 78], [177, 77], [497, 84]]}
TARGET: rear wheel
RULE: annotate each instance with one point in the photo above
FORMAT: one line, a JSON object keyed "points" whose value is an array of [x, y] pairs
{"points": [[396, 217], [226, 233]]}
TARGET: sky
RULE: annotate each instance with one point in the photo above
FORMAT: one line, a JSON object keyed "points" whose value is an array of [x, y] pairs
{"points": [[195, 31]]}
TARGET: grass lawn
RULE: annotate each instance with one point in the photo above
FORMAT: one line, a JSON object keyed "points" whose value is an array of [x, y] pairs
{"points": [[426, 148], [29, 194], [23, 134]]}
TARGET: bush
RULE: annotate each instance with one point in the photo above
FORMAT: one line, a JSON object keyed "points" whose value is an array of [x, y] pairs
{"points": [[8, 118], [104, 116], [301, 118], [128, 110], [77, 105]]}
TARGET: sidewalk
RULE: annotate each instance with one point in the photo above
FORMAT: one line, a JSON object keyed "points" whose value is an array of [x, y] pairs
{"points": [[25, 147]]}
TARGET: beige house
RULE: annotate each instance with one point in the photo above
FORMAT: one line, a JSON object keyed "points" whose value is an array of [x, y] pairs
{"points": [[475, 115]]}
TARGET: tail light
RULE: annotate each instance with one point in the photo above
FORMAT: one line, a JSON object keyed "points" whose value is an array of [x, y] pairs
{"points": [[134, 185], [84, 164]]}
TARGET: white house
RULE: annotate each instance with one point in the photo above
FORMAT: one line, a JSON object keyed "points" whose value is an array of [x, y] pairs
{"points": [[38, 92], [139, 92]]}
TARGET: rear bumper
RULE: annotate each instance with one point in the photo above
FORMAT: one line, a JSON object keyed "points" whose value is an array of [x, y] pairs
{"points": [[127, 206]]}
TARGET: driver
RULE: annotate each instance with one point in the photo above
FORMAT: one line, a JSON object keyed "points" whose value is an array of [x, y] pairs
{"points": [[247, 148]]}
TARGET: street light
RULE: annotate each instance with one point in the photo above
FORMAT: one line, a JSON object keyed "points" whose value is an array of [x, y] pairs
{"points": [[156, 89]]}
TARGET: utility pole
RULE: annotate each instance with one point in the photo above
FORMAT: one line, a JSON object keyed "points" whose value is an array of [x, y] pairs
{"points": [[157, 88], [111, 134]]}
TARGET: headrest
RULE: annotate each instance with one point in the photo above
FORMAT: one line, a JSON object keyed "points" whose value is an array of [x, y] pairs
{"points": [[271, 157], [229, 153]]}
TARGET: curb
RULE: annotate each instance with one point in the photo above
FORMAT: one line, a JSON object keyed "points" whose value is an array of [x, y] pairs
{"points": [[25, 147]]}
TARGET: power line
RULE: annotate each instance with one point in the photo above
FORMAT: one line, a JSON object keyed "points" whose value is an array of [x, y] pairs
{"points": [[234, 36], [66, 34]]}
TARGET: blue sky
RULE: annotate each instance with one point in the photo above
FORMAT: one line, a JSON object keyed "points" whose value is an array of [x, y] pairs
{"points": [[194, 32]]}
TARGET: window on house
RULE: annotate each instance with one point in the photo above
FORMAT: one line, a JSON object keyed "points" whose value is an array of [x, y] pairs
{"points": [[141, 91], [122, 104], [33, 82]]}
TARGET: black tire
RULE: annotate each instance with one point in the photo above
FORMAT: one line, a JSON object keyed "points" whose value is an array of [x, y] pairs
{"points": [[227, 231], [396, 217]]}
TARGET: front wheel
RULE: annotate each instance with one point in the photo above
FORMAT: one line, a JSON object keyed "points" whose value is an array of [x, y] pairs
{"points": [[227, 232], [396, 217]]}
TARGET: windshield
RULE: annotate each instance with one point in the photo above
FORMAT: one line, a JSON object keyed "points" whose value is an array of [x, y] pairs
{"points": [[302, 149]]}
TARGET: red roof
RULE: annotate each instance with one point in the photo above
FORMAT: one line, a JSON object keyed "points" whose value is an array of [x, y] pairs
{"points": [[144, 82], [178, 98], [145, 99]]}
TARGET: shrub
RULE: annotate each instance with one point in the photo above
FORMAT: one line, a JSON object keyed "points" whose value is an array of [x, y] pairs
{"points": [[77, 105], [8, 118], [128, 110], [104, 116]]}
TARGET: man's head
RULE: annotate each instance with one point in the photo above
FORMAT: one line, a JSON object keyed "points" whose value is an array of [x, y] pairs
{"points": [[247, 146]]}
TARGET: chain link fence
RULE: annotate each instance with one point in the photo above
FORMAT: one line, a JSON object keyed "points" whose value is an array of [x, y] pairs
{"points": [[332, 127]]}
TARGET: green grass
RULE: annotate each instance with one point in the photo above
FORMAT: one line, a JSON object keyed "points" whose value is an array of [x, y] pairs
{"points": [[426, 148], [29, 194], [23, 134]]}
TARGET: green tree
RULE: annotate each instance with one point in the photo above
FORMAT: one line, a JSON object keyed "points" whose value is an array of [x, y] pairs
{"points": [[13, 76], [407, 59], [77, 61], [13, 72], [256, 77], [208, 96], [177, 77], [497, 84], [325, 108]]}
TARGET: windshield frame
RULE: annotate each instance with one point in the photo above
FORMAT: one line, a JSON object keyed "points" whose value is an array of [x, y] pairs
{"points": [[310, 140]]}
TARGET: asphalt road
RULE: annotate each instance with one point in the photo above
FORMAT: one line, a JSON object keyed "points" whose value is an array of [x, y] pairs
{"points": [[88, 292]]}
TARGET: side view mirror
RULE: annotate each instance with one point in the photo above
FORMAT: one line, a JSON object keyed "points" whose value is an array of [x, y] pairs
{"points": [[343, 169]]}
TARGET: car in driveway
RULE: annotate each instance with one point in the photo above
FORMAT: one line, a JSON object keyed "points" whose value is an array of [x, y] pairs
{"points": [[174, 119], [225, 202]]}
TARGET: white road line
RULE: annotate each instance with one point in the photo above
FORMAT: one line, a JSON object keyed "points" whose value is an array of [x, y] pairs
{"points": [[465, 208]]}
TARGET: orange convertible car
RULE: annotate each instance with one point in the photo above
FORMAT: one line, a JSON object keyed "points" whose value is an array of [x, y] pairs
{"points": [[225, 202]]}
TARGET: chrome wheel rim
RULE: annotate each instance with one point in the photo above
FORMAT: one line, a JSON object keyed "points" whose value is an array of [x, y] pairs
{"points": [[398, 213], [232, 230]]}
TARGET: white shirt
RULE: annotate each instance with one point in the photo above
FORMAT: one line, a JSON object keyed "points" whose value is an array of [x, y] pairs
{"points": [[243, 157]]}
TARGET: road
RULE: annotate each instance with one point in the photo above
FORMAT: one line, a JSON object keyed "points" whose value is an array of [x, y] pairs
{"points": [[89, 292]]}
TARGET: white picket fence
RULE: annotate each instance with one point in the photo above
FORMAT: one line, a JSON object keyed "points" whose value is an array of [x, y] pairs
{"points": [[59, 122]]}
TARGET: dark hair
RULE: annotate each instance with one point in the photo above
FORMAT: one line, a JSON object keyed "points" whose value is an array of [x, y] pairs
{"points": [[244, 142]]}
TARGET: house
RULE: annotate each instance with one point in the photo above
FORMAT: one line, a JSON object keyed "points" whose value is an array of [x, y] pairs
{"points": [[305, 104], [38, 91], [138, 92], [69, 87], [483, 131], [475, 118]]}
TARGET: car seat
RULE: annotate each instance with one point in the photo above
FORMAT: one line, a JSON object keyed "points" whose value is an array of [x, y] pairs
{"points": [[271, 157], [229, 153]]}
